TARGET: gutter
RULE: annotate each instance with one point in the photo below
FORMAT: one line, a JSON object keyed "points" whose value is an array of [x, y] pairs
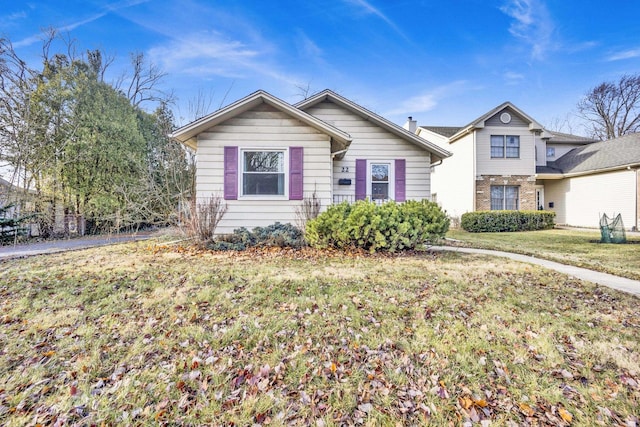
{"points": [[337, 153], [588, 172], [609, 169]]}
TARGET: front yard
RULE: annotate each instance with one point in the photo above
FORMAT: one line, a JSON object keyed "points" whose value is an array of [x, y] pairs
{"points": [[579, 248], [146, 335]]}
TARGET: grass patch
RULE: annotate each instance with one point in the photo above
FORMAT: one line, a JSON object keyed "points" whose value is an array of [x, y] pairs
{"points": [[144, 335], [579, 248]]}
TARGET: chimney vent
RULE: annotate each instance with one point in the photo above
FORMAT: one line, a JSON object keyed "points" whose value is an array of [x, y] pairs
{"points": [[411, 125]]}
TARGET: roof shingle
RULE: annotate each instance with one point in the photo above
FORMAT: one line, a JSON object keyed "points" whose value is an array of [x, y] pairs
{"points": [[617, 152]]}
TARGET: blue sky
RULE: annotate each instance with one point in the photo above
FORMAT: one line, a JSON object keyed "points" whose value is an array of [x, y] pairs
{"points": [[442, 62]]}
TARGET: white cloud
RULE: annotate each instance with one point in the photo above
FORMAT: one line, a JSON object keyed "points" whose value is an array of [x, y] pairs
{"points": [[208, 54], [370, 9], [308, 48], [625, 54], [580, 47], [532, 24], [513, 78], [112, 7], [210, 45], [427, 101]]}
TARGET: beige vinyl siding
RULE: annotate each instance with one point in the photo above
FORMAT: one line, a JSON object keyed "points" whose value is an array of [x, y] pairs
{"points": [[541, 153], [486, 165], [561, 150], [440, 140], [580, 201], [374, 143], [454, 181], [516, 119], [262, 128]]}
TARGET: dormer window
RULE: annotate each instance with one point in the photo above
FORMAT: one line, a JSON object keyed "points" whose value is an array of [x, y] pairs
{"points": [[551, 152]]}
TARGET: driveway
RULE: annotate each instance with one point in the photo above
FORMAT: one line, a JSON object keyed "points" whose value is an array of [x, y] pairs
{"points": [[53, 246]]}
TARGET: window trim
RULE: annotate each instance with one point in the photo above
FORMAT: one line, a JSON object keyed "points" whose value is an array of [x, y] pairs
{"points": [[285, 172], [391, 177], [504, 197], [504, 146]]}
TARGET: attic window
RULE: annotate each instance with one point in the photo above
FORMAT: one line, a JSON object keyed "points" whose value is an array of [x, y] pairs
{"points": [[505, 118]]}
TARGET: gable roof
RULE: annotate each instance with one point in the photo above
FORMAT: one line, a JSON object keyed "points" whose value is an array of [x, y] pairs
{"points": [[437, 153], [188, 134], [618, 153], [479, 122], [446, 131], [566, 138]]}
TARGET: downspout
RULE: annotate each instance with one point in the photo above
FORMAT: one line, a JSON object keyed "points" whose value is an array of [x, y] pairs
{"points": [[475, 161], [637, 200]]}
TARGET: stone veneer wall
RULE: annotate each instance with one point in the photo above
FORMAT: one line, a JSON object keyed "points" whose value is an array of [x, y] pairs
{"points": [[526, 183]]}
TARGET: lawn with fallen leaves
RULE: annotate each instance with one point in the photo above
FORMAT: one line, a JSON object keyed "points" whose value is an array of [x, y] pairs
{"points": [[143, 334], [574, 247]]}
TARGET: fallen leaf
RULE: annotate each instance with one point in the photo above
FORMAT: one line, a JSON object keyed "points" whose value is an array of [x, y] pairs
{"points": [[526, 409], [565, 415], [480, 402]]}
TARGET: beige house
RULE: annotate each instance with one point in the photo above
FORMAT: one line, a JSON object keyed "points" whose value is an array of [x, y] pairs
{"points": [[264, 156], [494, 161], [598, 178], [507, 160]]}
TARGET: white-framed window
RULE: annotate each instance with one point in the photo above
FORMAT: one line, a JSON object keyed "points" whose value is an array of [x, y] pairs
{"points": [[381, 180], [263, 172], [505, 146], [505, 197], [551, 152]]}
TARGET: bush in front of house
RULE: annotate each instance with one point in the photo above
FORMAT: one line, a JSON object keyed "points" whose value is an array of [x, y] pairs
{"points": [[388, 227], [499, 221], [274, 235]]}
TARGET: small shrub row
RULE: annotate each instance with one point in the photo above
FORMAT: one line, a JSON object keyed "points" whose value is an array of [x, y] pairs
{"points": [[274, 235], [497, 221], [387, 227]]}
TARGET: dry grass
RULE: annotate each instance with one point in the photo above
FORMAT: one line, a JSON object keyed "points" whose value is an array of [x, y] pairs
{"points": [[144, 335], [579, 248]]}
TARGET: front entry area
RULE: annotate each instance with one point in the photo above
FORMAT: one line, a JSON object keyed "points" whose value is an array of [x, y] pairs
{"points": [[540, 197]]}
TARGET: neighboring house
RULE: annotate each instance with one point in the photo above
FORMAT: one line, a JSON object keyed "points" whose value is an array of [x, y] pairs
{"points": [[264, 156], [13, 195], [594, 179], [494, 161]]}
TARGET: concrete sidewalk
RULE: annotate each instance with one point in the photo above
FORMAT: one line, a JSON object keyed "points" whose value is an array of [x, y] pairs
{"points": [[53, 246], [604, 279]]}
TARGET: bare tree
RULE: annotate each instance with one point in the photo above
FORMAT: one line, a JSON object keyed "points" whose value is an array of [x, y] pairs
{"points": [[564, 124], [143, 84], [200, 105], [303, 90], [612, 109]]}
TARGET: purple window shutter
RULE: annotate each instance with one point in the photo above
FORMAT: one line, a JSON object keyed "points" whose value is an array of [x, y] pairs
{"points": [[361, 179], [400, 172], [231, 173], [296, 176]]}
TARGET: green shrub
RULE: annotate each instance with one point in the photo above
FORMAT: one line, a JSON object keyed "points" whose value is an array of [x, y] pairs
{"points": [[387, 227], [498, 221], [274, 235]]}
